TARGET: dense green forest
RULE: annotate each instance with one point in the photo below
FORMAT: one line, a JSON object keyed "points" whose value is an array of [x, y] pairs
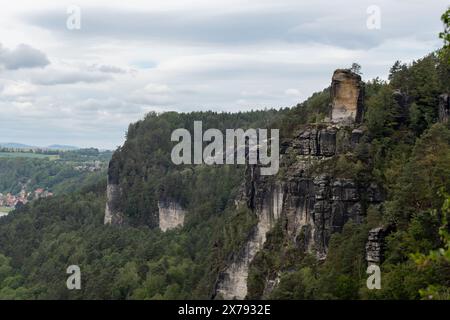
{"points": [[406, 151]]}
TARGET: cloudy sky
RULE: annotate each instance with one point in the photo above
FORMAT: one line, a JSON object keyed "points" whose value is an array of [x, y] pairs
{"points": [[84, 86]]}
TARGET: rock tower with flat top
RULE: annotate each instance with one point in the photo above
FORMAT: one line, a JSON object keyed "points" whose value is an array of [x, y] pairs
{"points": [[347, 96]]}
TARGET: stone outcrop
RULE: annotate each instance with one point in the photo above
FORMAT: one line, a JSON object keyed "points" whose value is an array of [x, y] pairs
{"points": [[232, 283], [113, 211], [375, 245], [347, 95], [311, 205], [356, 136], [444, 108], [171, 215], [113, 215], [316, 142]]}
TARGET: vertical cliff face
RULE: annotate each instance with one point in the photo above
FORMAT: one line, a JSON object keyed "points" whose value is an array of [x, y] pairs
{"points": [[309, 202], [113, 210], [171, 214], [375, 245], [315, 202], [347, 91], [267, 205]]}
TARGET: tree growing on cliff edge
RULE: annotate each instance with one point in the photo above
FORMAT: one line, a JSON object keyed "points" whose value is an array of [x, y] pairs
{"points": [[356, 68]]}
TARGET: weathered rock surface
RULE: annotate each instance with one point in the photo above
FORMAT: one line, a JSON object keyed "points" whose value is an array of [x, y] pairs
{"points": [[113, 215], [232, 283], [347, 94], [311, 206], [171, 214], [316, 142]]}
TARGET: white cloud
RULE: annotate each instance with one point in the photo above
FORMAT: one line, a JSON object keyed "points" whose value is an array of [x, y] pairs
{"points": [[292, 92]]}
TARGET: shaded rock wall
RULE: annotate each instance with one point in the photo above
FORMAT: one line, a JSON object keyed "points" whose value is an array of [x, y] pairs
{"points": [[311, 206]]}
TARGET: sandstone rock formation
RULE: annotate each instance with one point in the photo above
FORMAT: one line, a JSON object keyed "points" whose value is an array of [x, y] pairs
{"points": [[375, 245], [347, 94], [444, 108], [171, 214]]}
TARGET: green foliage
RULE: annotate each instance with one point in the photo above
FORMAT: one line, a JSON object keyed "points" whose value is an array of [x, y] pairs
{"points": [[121, 263], [297, 285], [313, 110], [338, 277], [382, 113], [422, 176], [11, 284], [439, 257], [422, 82], [58, 176], [445, 35]]}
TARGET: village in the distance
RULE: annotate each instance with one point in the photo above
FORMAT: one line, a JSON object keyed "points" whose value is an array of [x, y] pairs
{"points": [[10, 201], [46, 171]]}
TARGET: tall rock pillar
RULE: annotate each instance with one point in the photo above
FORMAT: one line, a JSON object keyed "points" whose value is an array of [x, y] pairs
{"points": [[347, 94]]}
